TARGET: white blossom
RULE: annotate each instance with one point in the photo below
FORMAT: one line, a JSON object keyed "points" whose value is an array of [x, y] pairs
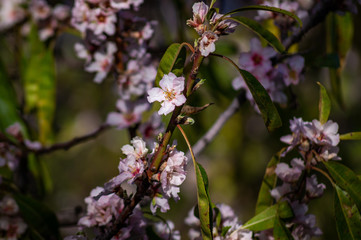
{"points": [[170, 93], [206, 43], [287, 174]]}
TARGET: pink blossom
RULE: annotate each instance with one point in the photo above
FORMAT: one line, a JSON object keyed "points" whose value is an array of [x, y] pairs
{"points": [[40, 10], [11, 12], [323, 134], [170, 93], [101, 211], [281, 191], [166, 230], [287, 174], [206, 43], [159, 201], [200, 10], [102, 22], [223, 27], [130, 113], [173, 174], [82, 52], [125, 4], [8, 206], [314, 190], [138, 150], [152, 128], [102, 62], [12, 227], [291, 70], [61, 12], [81, 15]]}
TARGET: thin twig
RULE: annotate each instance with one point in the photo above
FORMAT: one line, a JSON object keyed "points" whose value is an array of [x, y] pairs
{"points": [[217, 126], [69, 144]]}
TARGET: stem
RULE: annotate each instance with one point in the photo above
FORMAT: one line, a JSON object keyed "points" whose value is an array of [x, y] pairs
{"points": [[324, 174], [189, 146], [158, 156]]}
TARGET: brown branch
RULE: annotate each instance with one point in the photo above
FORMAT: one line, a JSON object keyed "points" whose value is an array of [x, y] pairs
{"points": [[69, 144]]}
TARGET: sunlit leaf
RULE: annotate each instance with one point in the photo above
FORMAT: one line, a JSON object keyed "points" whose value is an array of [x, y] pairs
{"points": [[280, 231], [346, 179], [269, 181], [351, 136], [204, 203], [39, 84], [267, 108], [172, 61], [266, 8], [261, 31], [348, 219], [266, 219], [38, 216], [324, 105]]}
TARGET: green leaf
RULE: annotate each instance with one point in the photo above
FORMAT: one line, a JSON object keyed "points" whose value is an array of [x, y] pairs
{"points": [[39, 84], [212, 3], [339, 40], [346, 179], [204, 202], [261, 31], [348, 219], [38, 216], [267, 108], [172, 61], [280, 231], [266, 8], [266, 219], [269, 181], [225, 230], [351, 136], [324, 105], [9, 113]]}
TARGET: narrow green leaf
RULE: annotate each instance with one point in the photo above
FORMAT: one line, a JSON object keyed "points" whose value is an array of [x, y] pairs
{"points": [[172, 61], [266, 8], [265, 105], [351, 136], [346, 179], [261, 31], [39, 83], [267, 108], [324, 104], [38, 216], [269, 181], [280, 231], [348, 219], [212, 3], [204, 203], [266, 219]]}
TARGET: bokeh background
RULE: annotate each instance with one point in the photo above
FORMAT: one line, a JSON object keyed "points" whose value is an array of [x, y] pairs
{"points": [[235, 161]]}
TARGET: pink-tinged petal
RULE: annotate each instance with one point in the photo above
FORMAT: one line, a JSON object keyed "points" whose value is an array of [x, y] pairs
{"points": [[256, 45], [177, 179], [167, 81], [155, 94], [140, 108], [330, 127], [287, 139], [115, 119], [178, 84], [268, 52], [297, 63], [167, 107], [128, 150], [93, 67], [99, 77], [122, 106], [179, 100], [237, 83]]}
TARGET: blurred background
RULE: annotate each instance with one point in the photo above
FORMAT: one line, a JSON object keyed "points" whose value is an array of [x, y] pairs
{"points": [[235, 161]]}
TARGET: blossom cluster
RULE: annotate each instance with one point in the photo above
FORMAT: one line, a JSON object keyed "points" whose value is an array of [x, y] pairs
{"points": [[105, 204], [228, 227], [211, 29], [115, 41], [49, 20], [258, 61], [12, 226], [298, 7], [314, 142]]}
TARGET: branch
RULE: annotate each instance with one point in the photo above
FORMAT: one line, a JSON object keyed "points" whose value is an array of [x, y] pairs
{"points": [[217, 126], [318, 15], [69, 144]]}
